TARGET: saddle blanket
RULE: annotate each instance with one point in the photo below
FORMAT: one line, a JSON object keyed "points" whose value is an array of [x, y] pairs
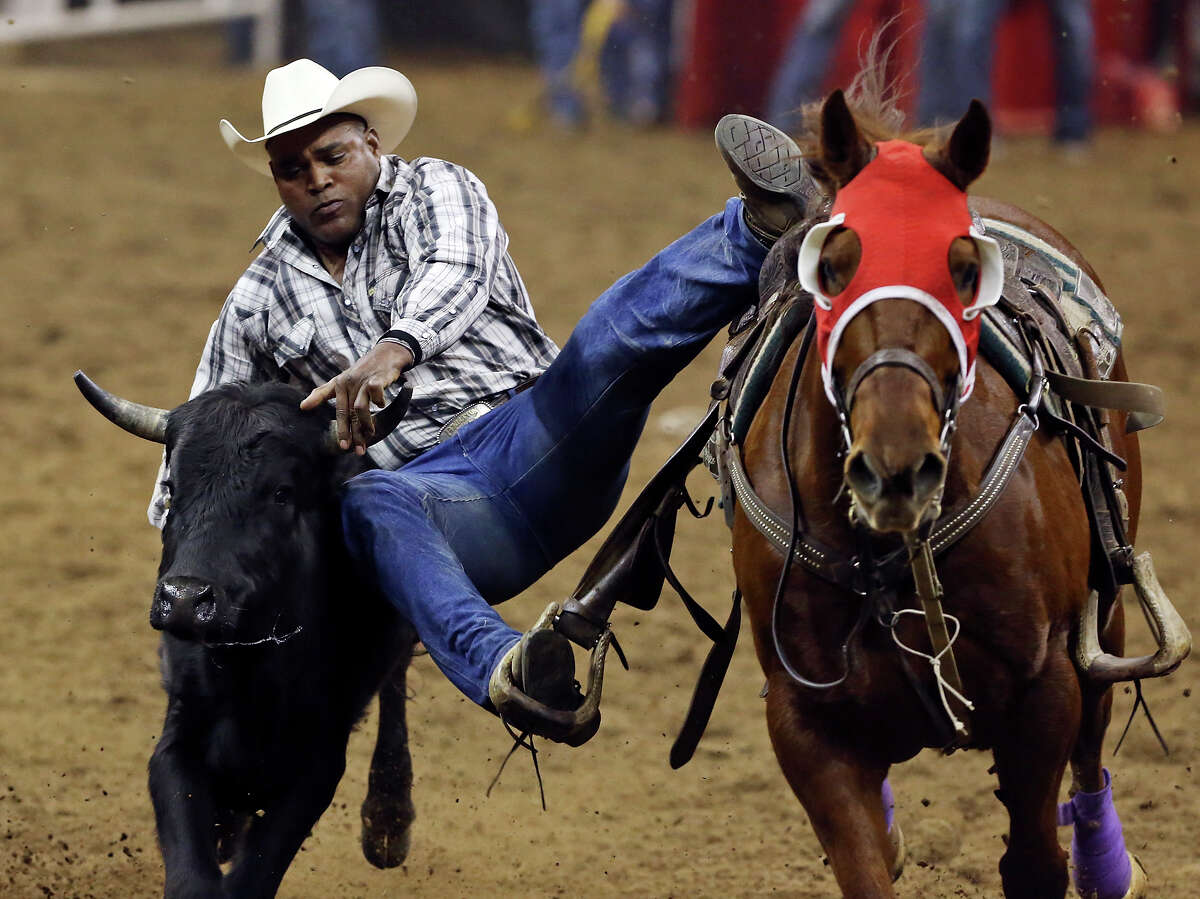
{"points": [[1088, 312]]}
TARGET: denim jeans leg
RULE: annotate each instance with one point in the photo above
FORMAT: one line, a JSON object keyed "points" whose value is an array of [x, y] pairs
{"points": [[477, 519], [974, 40], [1074, 65], [396, 525], [939, 96], [343, 35], [554, 26], [588, 408], [805, 61]]}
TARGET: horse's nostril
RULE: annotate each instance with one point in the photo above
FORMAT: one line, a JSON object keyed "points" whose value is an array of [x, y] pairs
{"points": [[929, 474], [862, 478]]}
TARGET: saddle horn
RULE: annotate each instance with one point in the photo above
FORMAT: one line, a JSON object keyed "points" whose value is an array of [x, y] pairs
{"points": [[1170, 633]]}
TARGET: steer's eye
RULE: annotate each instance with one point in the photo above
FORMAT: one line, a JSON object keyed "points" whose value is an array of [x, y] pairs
{"points": [[282, 496]]}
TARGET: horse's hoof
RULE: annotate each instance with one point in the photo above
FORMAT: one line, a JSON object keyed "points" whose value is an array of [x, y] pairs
{"points": [[386, 833], [896, 836]]}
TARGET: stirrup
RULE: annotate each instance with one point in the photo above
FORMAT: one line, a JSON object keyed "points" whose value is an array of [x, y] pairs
{"points": [[526, 714]]}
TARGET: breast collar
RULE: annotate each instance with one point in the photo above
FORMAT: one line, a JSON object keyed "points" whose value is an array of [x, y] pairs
{"points": [[905, 214]]}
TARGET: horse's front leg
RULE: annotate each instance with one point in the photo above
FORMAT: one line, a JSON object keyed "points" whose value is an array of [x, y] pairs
{"points": [[839, 790], [1031, 754]]}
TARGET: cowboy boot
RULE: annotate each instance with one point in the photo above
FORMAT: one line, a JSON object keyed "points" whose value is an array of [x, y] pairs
{"points": [[768, 168], [534, 690]]}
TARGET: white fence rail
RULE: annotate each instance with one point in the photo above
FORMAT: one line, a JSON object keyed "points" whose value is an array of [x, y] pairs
{"points": [[38, 20]]}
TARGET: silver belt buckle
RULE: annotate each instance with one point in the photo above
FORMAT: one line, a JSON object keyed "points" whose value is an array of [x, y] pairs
{"points": [[462, 417]]}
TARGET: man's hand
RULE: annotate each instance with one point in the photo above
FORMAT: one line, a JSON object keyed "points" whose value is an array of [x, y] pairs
{"points": [[357, 388]]}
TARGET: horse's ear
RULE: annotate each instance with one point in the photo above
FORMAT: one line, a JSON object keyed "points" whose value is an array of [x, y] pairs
{"points": [[963, 158], [844, 151]]}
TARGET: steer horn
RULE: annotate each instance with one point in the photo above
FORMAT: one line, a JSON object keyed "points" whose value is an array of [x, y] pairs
{"points": [[573, 728], [147, 422], [385, 421], [1170, 633]]}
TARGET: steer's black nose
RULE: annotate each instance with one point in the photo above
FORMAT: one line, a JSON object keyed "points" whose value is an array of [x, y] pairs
{"points": [[183, 606]]}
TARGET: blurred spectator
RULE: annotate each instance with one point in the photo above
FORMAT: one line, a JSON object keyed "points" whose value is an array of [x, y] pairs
{"points": [[957, 52], [341, 35], [635, 64], [239, 41], [627, 42], [806, 60]]}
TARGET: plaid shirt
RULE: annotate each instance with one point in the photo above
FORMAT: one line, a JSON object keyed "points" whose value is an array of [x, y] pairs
{"points": [[430, 268]]}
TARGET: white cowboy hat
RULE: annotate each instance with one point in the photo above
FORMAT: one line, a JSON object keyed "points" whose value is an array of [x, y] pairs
{"points": [[301, 92]]}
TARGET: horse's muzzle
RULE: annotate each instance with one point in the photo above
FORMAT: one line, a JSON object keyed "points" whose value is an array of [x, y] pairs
{"points": [[895, 501]]}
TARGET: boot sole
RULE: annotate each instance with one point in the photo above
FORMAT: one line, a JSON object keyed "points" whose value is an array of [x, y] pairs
{"points": [[769, 158]]}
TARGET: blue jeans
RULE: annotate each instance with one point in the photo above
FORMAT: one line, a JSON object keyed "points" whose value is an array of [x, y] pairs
{"points": [[634, 62], [343, 35], [554, 26], [957, 51], [806, 60], [479, 518]]}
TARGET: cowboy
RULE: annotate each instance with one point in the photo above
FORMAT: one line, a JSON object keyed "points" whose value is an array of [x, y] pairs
{"points": [[377, 271]]}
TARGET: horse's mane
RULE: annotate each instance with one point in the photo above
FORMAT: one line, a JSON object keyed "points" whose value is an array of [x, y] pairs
{"points": [[874, 99]]}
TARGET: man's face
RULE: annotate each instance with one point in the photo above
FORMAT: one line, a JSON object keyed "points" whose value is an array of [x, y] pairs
{"points": [[325, 173]]}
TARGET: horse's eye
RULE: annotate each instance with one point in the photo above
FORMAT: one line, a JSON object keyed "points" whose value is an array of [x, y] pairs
{"points": [[282, 496], [968, 278], [826, 273]]}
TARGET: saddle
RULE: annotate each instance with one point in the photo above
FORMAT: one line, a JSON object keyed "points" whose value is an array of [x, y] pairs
{"points": [[1054, 329]]}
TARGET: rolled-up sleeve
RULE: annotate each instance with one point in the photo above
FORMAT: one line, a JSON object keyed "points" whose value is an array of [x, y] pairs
{"points": [[455, 246]]}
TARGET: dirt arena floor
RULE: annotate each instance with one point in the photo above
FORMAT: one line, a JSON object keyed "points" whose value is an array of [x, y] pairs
{"points": [[128, 221]]}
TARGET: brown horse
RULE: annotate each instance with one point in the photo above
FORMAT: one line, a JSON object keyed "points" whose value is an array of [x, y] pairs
{"points": [[865, 478]]}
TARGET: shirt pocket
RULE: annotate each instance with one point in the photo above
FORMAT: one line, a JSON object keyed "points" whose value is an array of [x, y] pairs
{"points": [[294, 343], [383, 289]]}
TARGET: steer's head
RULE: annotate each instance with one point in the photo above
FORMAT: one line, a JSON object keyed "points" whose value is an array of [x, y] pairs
{"points": [[253, 526], [253, 516]]}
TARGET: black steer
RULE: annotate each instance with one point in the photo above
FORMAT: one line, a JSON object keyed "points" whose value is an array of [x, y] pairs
{"points": [[272, 644]]}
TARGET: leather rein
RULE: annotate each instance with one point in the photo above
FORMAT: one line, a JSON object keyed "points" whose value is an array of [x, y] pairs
{"points": [[876, 579]]}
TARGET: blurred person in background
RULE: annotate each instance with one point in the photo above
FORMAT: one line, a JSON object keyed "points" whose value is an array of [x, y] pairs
{"points": [[341, 35], [958, 48], [624, 45], [378, 270], [806, 60]]}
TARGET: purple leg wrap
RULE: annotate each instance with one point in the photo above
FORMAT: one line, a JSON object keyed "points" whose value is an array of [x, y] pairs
{"points": [[1102, 867], [889, 804]]}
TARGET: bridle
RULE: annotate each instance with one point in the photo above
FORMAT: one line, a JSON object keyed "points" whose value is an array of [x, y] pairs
{"points": [[869, 577], [946, 402]]}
